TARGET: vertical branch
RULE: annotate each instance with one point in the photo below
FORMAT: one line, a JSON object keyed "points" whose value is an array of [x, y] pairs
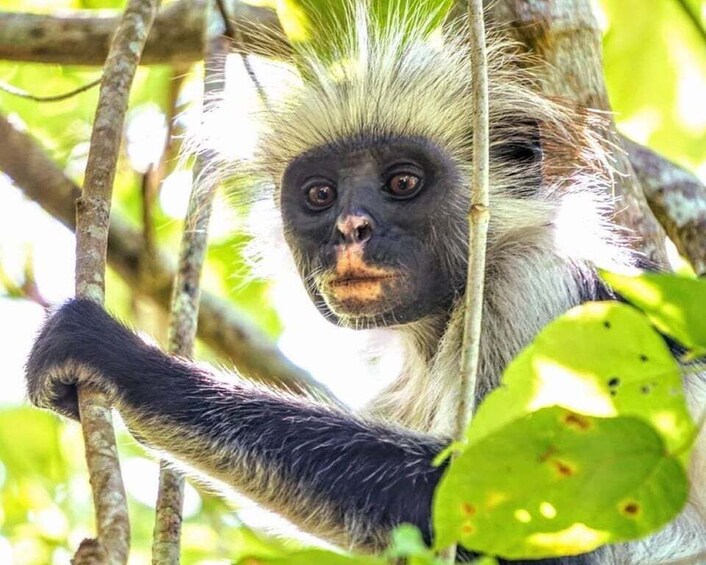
{"points": [[93, 214], [478, 219], [185, 305]]}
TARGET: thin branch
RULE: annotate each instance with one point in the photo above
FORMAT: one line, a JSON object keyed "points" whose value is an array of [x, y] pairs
{"points": [[52, 98], [479, 216], [221, 326], [178, 36], [93, 217], [185, 308], [478, 219], [233, 31], [693, 16]]}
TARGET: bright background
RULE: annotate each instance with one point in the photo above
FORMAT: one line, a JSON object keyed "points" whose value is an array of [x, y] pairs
{"points": [[655, 62]]}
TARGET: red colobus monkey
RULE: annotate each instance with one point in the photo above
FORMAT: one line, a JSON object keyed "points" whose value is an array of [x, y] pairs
{"points": [[369, 167]]}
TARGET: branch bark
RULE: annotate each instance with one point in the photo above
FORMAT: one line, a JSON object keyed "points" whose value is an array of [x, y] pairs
{"points": [[478, 220], [178, 36], [678, 200], [92, 222], [220, 325]]}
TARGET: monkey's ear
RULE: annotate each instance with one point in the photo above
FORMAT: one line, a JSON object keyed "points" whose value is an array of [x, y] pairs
{"points": [[518, 147], [522, 145]]}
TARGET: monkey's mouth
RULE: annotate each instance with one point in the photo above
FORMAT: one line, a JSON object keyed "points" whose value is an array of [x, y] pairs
{"points": [[357, 280], [361, 292]]}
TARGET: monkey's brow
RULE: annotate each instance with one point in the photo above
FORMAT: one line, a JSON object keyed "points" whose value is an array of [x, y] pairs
{"points": [[367, 140]]}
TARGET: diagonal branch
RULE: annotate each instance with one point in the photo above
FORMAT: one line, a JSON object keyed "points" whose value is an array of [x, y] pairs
{"points": [[678, 200], [185, 306]]}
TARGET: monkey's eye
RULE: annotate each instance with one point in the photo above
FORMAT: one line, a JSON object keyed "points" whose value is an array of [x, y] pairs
{"points": [[403, 185], [320, 196]]}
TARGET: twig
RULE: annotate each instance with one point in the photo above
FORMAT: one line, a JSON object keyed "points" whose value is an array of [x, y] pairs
{"points": [[185, 307], [479, 214], [54, 97], [693, 16], [93, 216], [232, 31], [478, 217]]}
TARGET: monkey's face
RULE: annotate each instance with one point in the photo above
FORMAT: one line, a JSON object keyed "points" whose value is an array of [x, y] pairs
{"points": [[377, 229]]}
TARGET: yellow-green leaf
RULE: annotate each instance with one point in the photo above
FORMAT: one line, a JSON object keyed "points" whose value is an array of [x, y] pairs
{"points": [[676, 305], [555, 482]]}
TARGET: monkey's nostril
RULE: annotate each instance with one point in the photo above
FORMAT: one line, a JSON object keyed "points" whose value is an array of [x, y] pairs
{"points": [[363, 232], [354, 229]]}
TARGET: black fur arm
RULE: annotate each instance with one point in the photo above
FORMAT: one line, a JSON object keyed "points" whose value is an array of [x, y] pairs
{"points": [[343, 479], [331, 474]]}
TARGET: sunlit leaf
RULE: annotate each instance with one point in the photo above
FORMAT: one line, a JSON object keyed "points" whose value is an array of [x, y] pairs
{"points": [[599, 359], [29, 444], [676, 305], [407, 543], [556, 482]]}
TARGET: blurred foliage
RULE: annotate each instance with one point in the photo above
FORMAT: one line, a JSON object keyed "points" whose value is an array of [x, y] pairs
{"points": [[655, 63], [655, 68]]}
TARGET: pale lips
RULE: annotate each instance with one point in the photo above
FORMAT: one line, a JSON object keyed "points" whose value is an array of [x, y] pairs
{"points": [[361, 286], [354, 279]]}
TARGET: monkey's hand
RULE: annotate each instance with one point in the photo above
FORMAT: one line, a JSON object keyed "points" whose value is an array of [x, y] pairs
{"points": [[79, 345]]}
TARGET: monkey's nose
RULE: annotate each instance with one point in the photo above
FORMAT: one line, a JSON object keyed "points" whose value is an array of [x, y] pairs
{"points": [[354, 228]]}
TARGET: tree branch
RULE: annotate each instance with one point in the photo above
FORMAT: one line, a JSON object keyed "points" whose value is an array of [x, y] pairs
{"points": [[92, 222], [678, 200], [221, 326], [478, 220], [185, 305], [178, 35]]}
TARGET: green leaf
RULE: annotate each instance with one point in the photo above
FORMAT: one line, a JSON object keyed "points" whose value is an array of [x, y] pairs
{"points": [[407, 543], [599, 359], [556, 482], [676, 305]]}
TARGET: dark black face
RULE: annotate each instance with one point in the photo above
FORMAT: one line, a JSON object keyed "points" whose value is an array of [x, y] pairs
{"points": [[362, 219]]}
